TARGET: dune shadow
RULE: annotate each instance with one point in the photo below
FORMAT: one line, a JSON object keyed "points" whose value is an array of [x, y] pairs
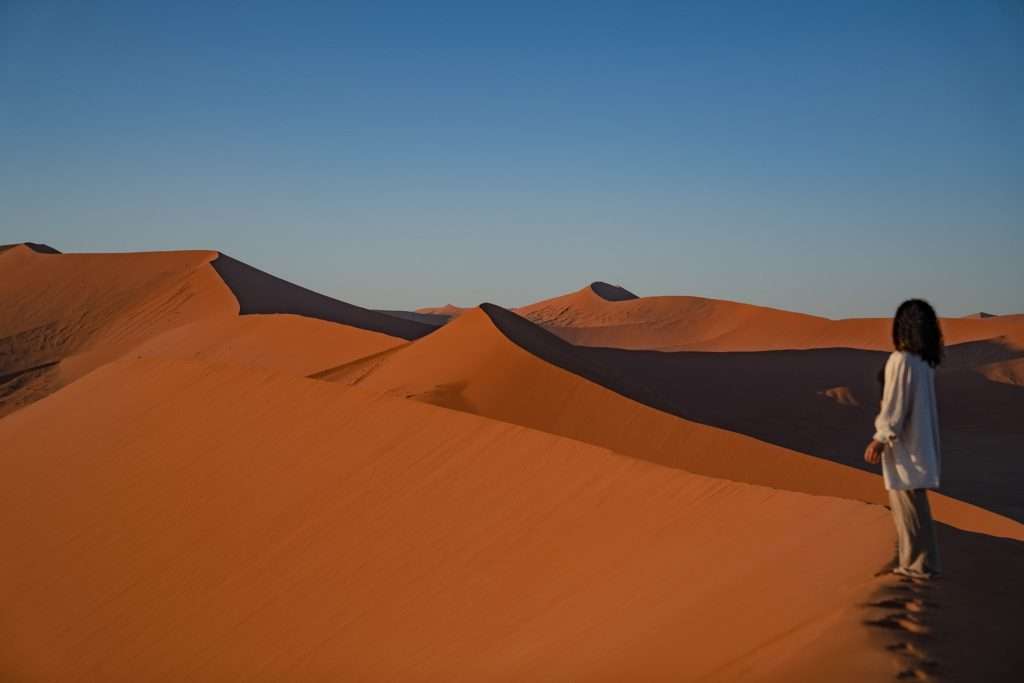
{"points": [[260, 292], [433, 319], [963, 625], [821, 402]]}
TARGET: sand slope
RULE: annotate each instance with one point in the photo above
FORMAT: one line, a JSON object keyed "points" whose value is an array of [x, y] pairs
{"points": [[198, 522], [473, 366], [291, 343], [593, 317], [64, 314]]}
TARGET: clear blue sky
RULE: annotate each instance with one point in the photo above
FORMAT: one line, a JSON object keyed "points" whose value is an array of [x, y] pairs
{"points": [[825, 157]]}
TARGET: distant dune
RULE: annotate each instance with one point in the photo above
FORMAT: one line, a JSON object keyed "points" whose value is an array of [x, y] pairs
{"points": [[448, 310], [32, 246], [680, 323]]}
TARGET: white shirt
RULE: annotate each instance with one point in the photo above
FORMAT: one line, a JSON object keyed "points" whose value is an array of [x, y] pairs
{"points": [[908, 424]]}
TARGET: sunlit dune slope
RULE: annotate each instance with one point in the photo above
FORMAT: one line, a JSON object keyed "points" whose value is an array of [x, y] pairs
{"points": [[62, 315], [542, 382], [677, 323], [292, 343], [214, 522]]}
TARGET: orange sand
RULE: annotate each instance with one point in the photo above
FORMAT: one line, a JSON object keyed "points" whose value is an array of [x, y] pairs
{"points": [[295, 344], [62, 315], [211, 522]]}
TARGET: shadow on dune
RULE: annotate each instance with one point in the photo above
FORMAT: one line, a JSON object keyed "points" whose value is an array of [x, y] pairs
{"points": [[821, 402], [612, 292], [260, 292], [963, 626]]}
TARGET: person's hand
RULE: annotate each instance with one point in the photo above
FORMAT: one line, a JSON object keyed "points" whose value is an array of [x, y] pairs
{"points": [[873, 453]]}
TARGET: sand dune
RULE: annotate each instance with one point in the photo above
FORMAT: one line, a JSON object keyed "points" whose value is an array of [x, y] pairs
{"points": [[448, 310], [679, 323], [32, 246], [65, 314], [211, 522], [524, 375]]}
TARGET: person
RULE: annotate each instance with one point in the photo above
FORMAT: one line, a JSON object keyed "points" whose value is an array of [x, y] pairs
{"points": [[906, 439]]}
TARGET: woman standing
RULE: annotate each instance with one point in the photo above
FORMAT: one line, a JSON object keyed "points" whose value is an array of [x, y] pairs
{"points": [[906, 437]]}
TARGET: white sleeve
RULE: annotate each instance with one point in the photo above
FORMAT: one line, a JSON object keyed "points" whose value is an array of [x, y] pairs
{"points": [[895, 399]]}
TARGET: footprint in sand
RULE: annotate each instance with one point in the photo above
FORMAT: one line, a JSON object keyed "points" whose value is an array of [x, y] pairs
{"points": [[914, 605], [924, 671], [922, 668], [909, 605], [901, 621]]}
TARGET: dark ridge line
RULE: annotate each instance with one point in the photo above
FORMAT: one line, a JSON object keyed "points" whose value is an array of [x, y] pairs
{"points": [[259, 292]]}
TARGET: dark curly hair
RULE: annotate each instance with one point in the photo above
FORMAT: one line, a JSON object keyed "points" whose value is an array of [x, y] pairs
{"points": [[915, 328]]}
